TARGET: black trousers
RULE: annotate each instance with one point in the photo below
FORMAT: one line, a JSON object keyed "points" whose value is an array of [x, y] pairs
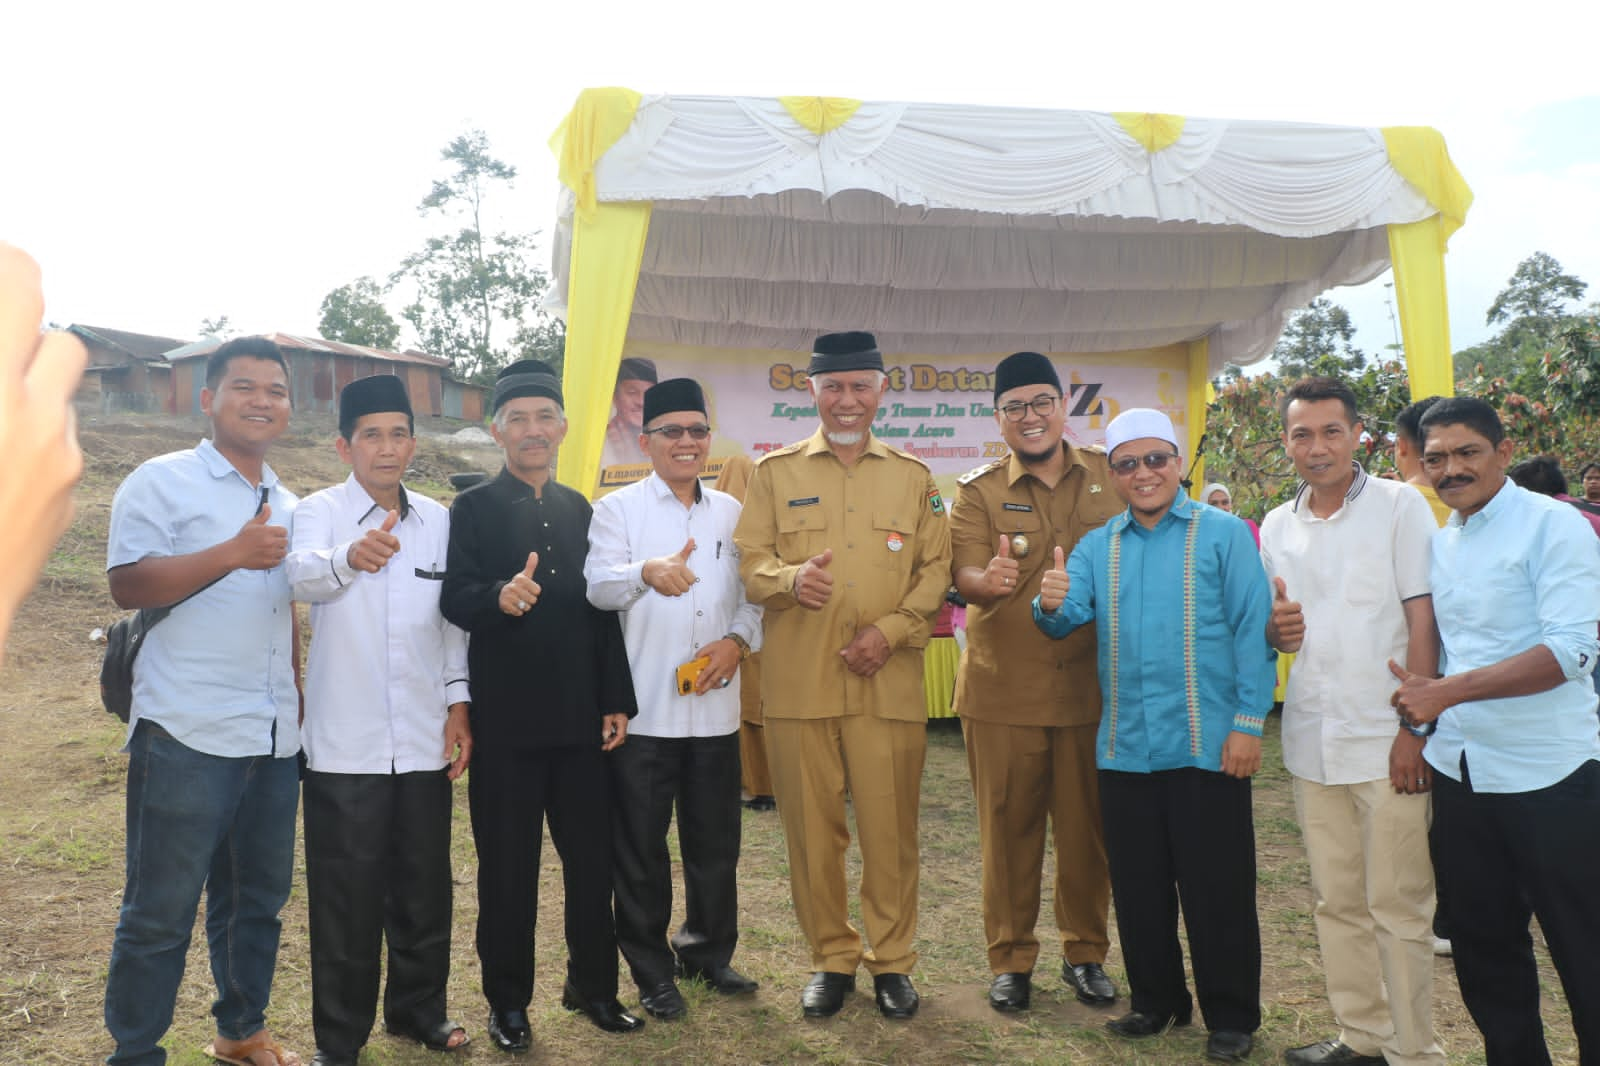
{"points": [[1185, 835], [700, 777], [377, 868], [1508, 856], [512, 791]]}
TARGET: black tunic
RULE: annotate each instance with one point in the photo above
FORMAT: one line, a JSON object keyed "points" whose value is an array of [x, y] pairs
{"points": [[545, 679]]}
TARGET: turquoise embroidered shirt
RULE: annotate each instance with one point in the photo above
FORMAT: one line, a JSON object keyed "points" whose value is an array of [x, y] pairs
{"points": [[1181, 615]]}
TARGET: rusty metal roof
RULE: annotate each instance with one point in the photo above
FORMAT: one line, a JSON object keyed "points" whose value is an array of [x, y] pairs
{"points": [[297, 342]]}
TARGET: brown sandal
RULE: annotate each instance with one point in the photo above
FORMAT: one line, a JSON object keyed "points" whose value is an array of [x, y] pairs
{"points": [[252, 1051]]}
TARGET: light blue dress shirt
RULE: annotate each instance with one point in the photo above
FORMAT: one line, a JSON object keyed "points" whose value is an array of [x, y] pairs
{"points": [[217, 673], [1180, 612], [1523, 571]]}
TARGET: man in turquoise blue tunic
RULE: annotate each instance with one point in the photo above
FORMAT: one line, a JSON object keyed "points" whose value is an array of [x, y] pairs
{"points": [[1180, 601]]}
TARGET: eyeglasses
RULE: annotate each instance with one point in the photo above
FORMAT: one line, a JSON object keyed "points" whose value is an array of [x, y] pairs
{"points": [[1153, 461], [1043, 406], [700, 432]]}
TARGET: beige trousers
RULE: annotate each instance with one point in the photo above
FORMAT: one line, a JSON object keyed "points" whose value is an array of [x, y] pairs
{"points": [[1372, 877], [877, 763]]}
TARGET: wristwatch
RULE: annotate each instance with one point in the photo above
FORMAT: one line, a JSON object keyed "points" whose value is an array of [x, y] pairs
{"points": [[1420, 730], [744, 645]]}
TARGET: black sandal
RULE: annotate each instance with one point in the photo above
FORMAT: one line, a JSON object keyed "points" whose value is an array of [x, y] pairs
{"points": [[434, 1038]]}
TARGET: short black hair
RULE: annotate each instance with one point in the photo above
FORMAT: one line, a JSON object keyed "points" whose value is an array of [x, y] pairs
{"points": [[1586, 468], [1541, 474], [1408, 423], [1467, 411], [242, 348], [1312, 389]]}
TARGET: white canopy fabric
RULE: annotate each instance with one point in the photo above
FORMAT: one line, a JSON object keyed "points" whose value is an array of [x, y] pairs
{"points": [[949, 229]]}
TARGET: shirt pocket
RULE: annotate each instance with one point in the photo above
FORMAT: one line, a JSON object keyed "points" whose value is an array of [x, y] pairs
{"points": [[802, 533]]}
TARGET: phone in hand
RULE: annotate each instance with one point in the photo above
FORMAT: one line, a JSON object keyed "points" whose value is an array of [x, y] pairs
{"points": [[689, 673]]}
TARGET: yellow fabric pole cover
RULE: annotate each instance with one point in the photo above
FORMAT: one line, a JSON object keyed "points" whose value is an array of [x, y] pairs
{"points": [[596, 122], [607, 249], [820, 114], [1418, 154], [1417, 251], [1154, 131]]}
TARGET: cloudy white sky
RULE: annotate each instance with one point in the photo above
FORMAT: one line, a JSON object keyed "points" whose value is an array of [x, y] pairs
{"points": [[168, 162]]}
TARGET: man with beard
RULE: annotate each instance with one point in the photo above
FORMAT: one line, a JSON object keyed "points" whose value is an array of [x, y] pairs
{"points": [[1029, 705], [551, 694]]}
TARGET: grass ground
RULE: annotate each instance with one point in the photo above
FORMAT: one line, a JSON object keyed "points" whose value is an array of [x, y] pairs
{"points": [[61, 840]]}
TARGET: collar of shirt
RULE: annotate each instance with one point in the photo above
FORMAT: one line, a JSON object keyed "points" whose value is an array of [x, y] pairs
{"points": [[1015, 471], [1358, 483], [219, 466], [358, 495], [818, 444], [664, 490], [1182, 508], [1499, 503]]}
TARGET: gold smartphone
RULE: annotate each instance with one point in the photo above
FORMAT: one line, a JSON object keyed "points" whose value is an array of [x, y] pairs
{"points": [[689, 673]]}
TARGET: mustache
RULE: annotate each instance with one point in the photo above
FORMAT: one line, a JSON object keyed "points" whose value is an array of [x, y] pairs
{"points": [[1455, 482], [533, 442]]}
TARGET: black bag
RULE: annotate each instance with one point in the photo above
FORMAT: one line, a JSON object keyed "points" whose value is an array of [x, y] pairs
{"points": [[123, 641]]}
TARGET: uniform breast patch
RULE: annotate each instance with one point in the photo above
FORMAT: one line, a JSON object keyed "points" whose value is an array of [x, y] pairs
{"points": [[805, 501]]}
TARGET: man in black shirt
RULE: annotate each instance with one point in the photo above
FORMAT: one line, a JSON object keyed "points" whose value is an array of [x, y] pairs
{"points": [[551, 693]]}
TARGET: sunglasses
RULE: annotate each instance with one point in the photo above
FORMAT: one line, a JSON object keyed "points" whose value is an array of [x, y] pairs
{"points": [[1153, 461], [676, 432]]}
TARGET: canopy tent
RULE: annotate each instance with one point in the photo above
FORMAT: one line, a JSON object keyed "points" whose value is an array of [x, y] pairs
{"points": [[754, 223]]}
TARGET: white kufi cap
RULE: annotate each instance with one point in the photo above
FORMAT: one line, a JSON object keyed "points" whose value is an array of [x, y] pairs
{"points": [[1136, 423]]}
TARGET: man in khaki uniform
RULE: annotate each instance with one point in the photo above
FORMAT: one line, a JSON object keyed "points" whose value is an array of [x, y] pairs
{"points": [[845, 542], [1030, 705]]}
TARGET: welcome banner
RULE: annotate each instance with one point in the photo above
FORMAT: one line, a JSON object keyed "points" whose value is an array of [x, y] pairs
{"points": [[939, 408]]}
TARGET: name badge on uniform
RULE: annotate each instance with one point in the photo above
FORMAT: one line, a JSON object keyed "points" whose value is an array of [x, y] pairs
{"points": [[1009, 506], [805, 502], [895, 542]]}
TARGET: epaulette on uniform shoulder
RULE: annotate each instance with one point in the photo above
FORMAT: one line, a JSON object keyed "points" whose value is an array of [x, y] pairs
{"points": [[978, 471], [787, 449]]}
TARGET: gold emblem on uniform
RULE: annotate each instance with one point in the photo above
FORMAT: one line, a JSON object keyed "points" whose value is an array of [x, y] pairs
{"points": [[1020, 546], [1093, 489]]}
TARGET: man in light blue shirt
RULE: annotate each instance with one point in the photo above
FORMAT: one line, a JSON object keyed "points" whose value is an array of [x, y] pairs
{"points": [[212, 777], [1516, 821], [1180, 601]]}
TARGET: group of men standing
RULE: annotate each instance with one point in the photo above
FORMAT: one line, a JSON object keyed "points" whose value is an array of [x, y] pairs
{"points": [[586, 662]]}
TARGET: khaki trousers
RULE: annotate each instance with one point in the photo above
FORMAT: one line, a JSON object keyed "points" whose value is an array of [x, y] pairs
{"points": [[1372, 876], [1020, 776], [815, 764], [754, 776]]}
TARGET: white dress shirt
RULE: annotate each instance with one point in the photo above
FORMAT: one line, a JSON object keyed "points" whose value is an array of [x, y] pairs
{"points": [[645, 521], [384, 666], [1351, 574]]}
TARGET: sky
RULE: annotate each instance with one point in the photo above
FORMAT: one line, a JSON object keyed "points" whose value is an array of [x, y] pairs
{"points": [[171, 162]]}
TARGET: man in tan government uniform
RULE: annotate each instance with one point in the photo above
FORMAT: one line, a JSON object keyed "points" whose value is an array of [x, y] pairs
{"points": [[755, 779], [1030, 705], [845, 542]]}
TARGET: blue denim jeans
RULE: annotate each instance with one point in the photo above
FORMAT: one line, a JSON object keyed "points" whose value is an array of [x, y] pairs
{"points": [[197, 820]]}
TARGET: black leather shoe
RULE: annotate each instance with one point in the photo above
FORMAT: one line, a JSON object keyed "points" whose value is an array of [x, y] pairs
{"points": [[761, 803], [509, 1030], [1330, 1053], [328, 1058], [1226, 1045], [723, 979], [824, 993], [663, 1001], [1089, 981], [1136, 1024], [896, 996], [606, 1014], [1011, 991]]}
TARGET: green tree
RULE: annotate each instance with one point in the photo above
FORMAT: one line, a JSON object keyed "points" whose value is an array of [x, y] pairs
{"points": [[477, 293], [1317, 340], [1532, 312], [355, 314]]}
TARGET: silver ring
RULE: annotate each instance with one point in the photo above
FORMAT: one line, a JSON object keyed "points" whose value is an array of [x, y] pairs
{"points": [[724, 682], [522, 605], [1008, 581]]}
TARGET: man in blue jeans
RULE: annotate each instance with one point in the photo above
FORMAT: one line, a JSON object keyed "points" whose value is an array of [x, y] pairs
{"points": [[212, 779]]}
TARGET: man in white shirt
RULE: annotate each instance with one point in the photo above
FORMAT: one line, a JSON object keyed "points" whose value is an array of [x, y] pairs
{"points": [[661, 553], [385, 734], [1348, 558]]}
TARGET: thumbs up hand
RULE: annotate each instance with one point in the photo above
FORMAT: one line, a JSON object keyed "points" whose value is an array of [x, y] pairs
{"points": [[670, 574], [376, 547], [812, 582], [1055, 584], [1000, 576], [258, 546], [1286, 625], [518, 595]]}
